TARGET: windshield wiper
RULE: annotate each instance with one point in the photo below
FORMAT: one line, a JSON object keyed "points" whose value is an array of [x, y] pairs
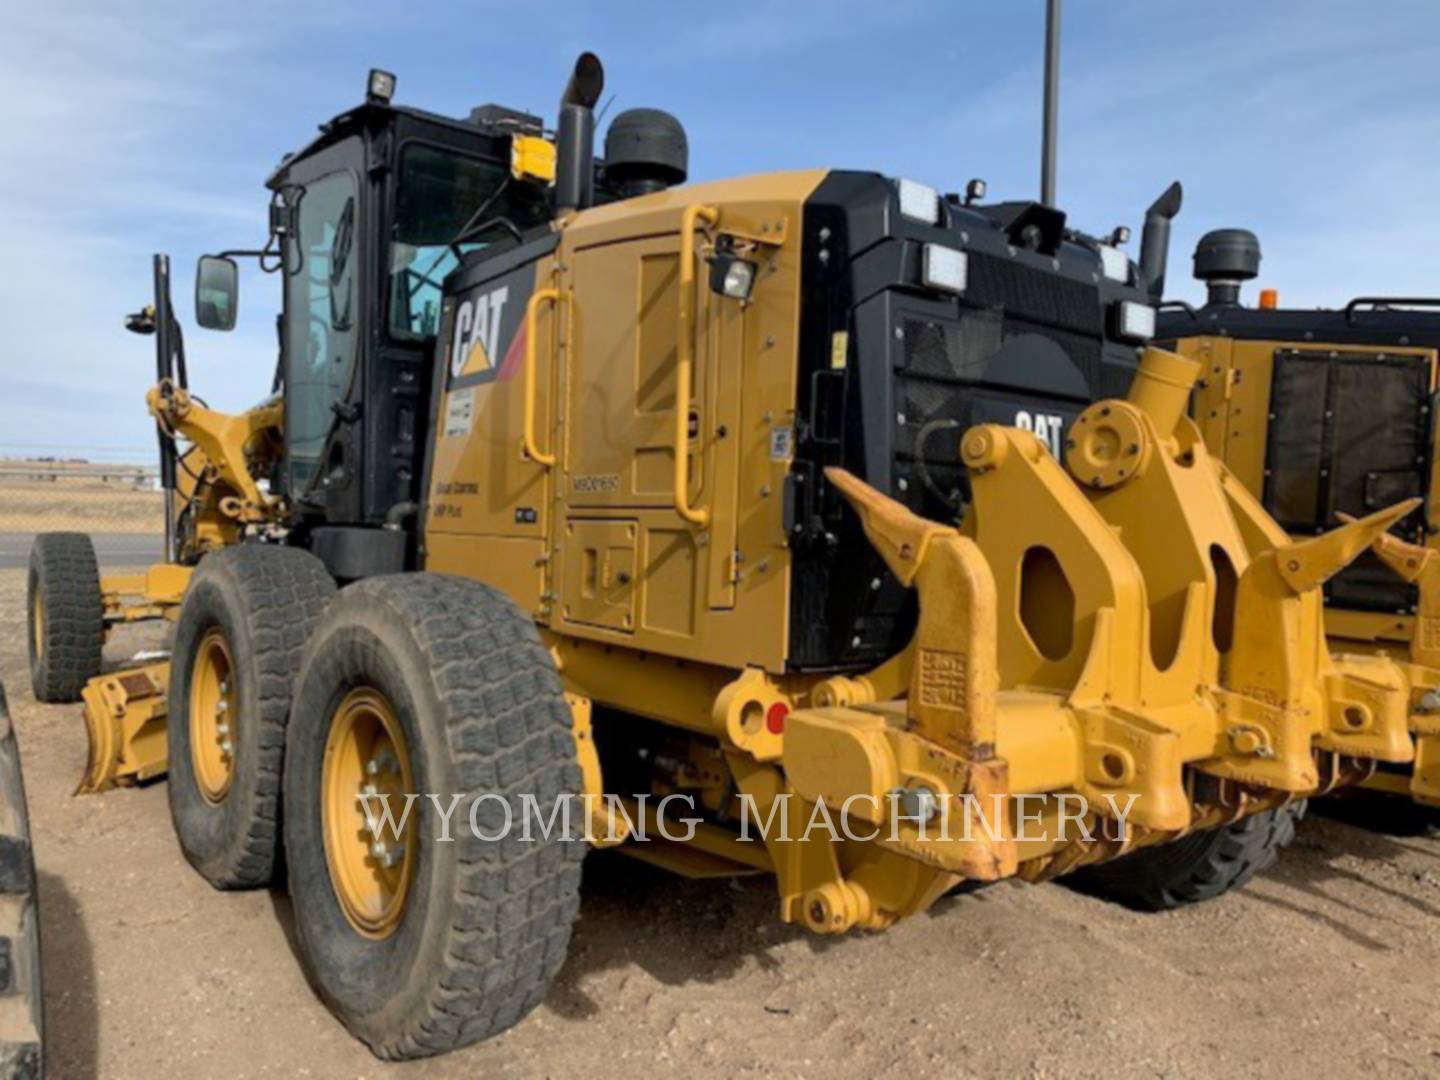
{"points": [[478, 215], [468, 230], [484, 227]]}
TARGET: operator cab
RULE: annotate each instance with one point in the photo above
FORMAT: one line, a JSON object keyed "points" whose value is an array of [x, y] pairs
{"points": [[366, 223], [374, 214]]}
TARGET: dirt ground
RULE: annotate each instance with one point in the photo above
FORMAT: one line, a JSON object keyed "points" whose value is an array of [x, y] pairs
{"points": [[1326, 966], [86, 505]]}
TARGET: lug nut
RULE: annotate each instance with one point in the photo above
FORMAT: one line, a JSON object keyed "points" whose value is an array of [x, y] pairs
{"points": [[387, 856]]}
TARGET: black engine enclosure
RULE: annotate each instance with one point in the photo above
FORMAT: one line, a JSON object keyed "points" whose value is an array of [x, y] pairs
{"points": [[1028, 343]]}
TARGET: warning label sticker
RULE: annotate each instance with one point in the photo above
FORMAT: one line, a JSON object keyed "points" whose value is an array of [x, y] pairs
{"points": [[460, 412], [782, 443]]}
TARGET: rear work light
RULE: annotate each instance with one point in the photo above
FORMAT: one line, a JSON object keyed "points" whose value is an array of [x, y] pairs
{"points": [[944, 268], [1114, 264], [919, 202], [1134, 321]]}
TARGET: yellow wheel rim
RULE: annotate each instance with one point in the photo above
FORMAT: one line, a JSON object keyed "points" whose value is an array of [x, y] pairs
{"points": [[37, 624], [213, 700], [371, 860]]}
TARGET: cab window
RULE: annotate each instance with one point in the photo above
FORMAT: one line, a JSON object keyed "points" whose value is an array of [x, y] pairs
{"points": [[321, 305], [442, 195]]}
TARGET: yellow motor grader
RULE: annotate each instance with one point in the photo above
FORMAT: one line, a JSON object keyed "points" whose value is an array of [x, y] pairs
{"points": [[821, 505], [1324, 415]]}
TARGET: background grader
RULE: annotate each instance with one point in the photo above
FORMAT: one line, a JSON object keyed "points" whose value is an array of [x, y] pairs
{"points": [[1324, 415], [813, 492]]}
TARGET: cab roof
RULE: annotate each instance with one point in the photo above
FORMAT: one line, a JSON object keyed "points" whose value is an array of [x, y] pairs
{"points": [[487, 124]]}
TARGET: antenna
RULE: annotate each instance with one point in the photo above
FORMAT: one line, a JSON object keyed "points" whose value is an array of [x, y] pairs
{"points": [[1049, 135], [604, 109]]}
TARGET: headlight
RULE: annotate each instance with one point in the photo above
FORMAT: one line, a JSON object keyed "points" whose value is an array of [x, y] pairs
{"points": [[944, 268], [1114, 264], [731, 275], [919, 202], [1134, 321]]}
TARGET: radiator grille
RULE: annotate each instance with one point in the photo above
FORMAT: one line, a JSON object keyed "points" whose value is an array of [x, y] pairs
{"points": [[944, 364], [1030, 295], [1349, 433], [943, 387]]}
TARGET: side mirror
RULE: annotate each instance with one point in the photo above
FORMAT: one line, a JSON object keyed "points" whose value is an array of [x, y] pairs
{"points": [[217, 292]]}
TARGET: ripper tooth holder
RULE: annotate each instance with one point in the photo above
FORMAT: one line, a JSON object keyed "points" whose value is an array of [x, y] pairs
{"points": [[1115, 627]]}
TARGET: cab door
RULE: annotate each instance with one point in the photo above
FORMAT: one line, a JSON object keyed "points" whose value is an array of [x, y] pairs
{"points": [[323, 323]]}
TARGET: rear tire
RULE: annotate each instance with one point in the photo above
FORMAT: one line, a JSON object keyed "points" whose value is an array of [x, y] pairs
{"points": [[21, 1001], [65, 616], [1195, 868], [482, 926], [242, 629]]}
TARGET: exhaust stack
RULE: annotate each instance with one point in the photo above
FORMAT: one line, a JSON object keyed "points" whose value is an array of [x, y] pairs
{"points": [[575, 136], [1155, 240]]}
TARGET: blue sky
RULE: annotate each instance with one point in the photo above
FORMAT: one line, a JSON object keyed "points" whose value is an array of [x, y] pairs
{"points": [[1315, 122]]}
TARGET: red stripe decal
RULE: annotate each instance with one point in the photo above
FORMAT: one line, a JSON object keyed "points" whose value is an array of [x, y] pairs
{"points": [[514, 354]]}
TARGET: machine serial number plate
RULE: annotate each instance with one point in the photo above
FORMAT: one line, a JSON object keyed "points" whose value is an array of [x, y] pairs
{"points": [[600, 483]]}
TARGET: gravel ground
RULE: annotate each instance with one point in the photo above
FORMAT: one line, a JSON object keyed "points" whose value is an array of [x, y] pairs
{"points": [[1325, 966]]}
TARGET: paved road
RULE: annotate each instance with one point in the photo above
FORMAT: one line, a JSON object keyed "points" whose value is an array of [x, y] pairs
{"points": [[113, 549]]}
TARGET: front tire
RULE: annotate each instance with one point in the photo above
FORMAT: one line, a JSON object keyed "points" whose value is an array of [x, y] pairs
{"points": [[242, 629], [21, 1000], [420, 946], [65, 614], [1195, 868]]}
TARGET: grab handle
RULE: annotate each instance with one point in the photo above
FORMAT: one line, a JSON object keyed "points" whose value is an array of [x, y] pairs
{"points": [[685, 363], [532, 311], [1382, 303]]}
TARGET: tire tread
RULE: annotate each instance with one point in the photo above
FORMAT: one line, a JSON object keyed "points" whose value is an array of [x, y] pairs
{"points": [[285, 590], [1196, 868], [507, 727], [65, 567]]}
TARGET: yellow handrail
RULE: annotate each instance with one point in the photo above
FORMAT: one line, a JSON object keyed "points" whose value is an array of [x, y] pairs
{"points": [[532, 308], [686, 362]]}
